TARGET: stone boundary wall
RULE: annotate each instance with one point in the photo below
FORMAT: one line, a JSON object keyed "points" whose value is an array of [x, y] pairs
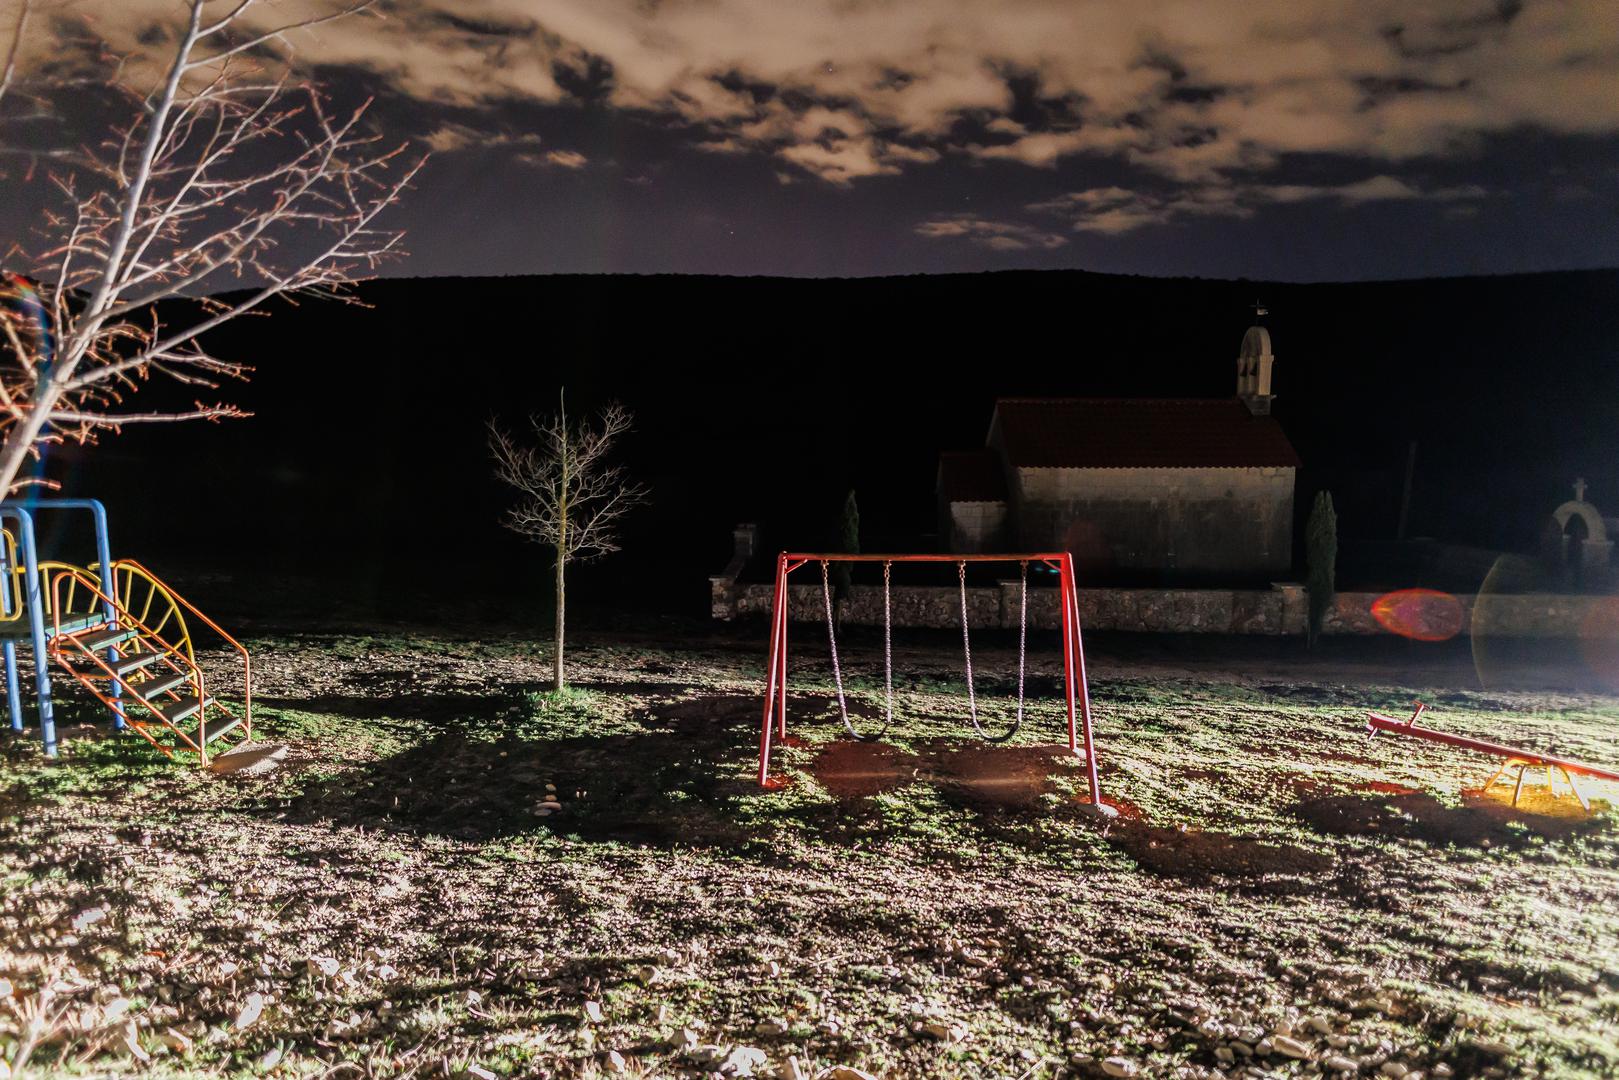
{"points": [[1280, 609]]}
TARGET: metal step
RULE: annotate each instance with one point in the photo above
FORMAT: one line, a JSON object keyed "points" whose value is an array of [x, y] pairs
{"points": [[176, 711], [100, 640], [134, 663], [153, 687], [75, 625], [218, 730]]}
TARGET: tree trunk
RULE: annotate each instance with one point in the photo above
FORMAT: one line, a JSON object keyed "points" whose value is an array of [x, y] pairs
{"points": [[562, 563]]}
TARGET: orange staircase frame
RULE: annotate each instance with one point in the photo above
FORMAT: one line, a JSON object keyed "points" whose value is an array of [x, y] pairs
{"points": [[175, 659]]}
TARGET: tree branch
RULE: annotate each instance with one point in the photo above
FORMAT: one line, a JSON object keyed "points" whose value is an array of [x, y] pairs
{"points": [[214, 176]]}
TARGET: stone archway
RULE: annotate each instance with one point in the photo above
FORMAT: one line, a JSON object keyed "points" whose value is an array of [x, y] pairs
{"points": [[1596, 531], [1580, 543]]}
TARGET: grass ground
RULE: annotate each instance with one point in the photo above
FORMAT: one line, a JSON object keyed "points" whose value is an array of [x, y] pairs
{"points": [[1280, 895]]}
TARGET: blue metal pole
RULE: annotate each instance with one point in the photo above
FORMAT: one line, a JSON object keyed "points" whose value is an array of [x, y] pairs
{"points": [[35, 605], [13, 692], [104, 565]]}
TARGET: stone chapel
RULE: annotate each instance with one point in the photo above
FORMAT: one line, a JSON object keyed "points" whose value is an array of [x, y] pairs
{"points": [[1163, 490]]}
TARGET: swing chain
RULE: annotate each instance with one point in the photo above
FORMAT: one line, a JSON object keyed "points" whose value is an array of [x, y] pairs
{"points": [[1022, 637], [888, 646], [967, 647], [837, 668]]}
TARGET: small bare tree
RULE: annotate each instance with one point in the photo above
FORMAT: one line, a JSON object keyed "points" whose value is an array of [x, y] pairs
{"points": [[229, 174], [570, 497]]}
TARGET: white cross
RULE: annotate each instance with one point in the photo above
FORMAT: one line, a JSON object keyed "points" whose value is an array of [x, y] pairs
{"points": [[1579, 489]]}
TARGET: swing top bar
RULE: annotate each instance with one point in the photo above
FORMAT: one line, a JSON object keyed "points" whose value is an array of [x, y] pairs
{"points": [[833, 556]]}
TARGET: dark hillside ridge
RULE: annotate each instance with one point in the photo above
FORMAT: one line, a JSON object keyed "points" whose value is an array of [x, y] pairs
{"points": [[763, 399]]}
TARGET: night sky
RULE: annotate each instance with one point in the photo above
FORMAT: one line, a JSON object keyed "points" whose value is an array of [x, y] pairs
{"points": [[1294, 140]]}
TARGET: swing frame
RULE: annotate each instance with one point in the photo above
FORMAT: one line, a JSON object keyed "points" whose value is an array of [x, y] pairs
{"points": [[1076, 685]]}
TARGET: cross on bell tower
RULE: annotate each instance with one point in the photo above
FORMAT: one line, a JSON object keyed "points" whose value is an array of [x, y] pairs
{"points": [[1579, 489]]}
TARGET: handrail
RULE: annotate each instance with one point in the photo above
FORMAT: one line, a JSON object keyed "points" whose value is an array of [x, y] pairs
{"points": [[247, 661], [170, 655], [81, 573]]}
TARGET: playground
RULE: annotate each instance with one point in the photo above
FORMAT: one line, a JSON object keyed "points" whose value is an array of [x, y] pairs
{"points": [[456, 872]]}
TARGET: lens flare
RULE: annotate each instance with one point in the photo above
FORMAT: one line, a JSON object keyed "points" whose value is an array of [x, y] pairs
{"points": [[27, 319], [1419, 614]]}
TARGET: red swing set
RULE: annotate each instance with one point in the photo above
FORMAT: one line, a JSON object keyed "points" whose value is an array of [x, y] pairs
{"points": [[1076, 687]]}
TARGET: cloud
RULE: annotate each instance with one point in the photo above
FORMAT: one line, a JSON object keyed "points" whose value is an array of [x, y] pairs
{"points": [[571, 160], [1116, 210], [1382, 188], [839, 162], [566, 159], [848, 90], [995, 235], [450, 138]]}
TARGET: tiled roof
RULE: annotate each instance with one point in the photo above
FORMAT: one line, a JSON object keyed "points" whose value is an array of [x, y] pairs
{"points": [[1139, 433], [971, 476]]}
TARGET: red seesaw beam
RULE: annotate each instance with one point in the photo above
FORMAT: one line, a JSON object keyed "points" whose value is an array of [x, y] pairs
{"points": [[1376, 722]]}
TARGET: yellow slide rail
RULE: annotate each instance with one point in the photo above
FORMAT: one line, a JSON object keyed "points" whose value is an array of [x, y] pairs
{"points": [[135, 591], [12, 611]]}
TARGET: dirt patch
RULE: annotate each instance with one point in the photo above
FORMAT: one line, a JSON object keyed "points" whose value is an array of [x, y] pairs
{"points": [[1199, 854], [1486, 819], [977, 776], [999, 777], [1383, 787], [859, 770]]}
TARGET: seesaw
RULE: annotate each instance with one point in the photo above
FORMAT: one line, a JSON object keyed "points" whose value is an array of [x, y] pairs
{"points": [[1516, 757]]}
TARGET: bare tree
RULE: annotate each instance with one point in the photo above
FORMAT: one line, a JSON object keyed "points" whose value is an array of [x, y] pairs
{"points": [[229, 173], [571, 499]]}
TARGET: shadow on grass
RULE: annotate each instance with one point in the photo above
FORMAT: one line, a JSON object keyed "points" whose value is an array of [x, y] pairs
{"points": [[95, 759], [1485, 820], [667, 784], [683, 776], [681, 773], [396, 699], [433, 707], [1007, 789]]}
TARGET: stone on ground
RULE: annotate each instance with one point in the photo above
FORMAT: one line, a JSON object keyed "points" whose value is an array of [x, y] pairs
{"points": [[249, 759]]}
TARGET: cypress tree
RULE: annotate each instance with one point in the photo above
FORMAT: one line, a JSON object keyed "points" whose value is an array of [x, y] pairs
{"points": [[848, 541], [1321, 560]]}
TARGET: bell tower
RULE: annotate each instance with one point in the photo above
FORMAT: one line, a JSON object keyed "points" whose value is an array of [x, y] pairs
{"points": [[1254, 363]]}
